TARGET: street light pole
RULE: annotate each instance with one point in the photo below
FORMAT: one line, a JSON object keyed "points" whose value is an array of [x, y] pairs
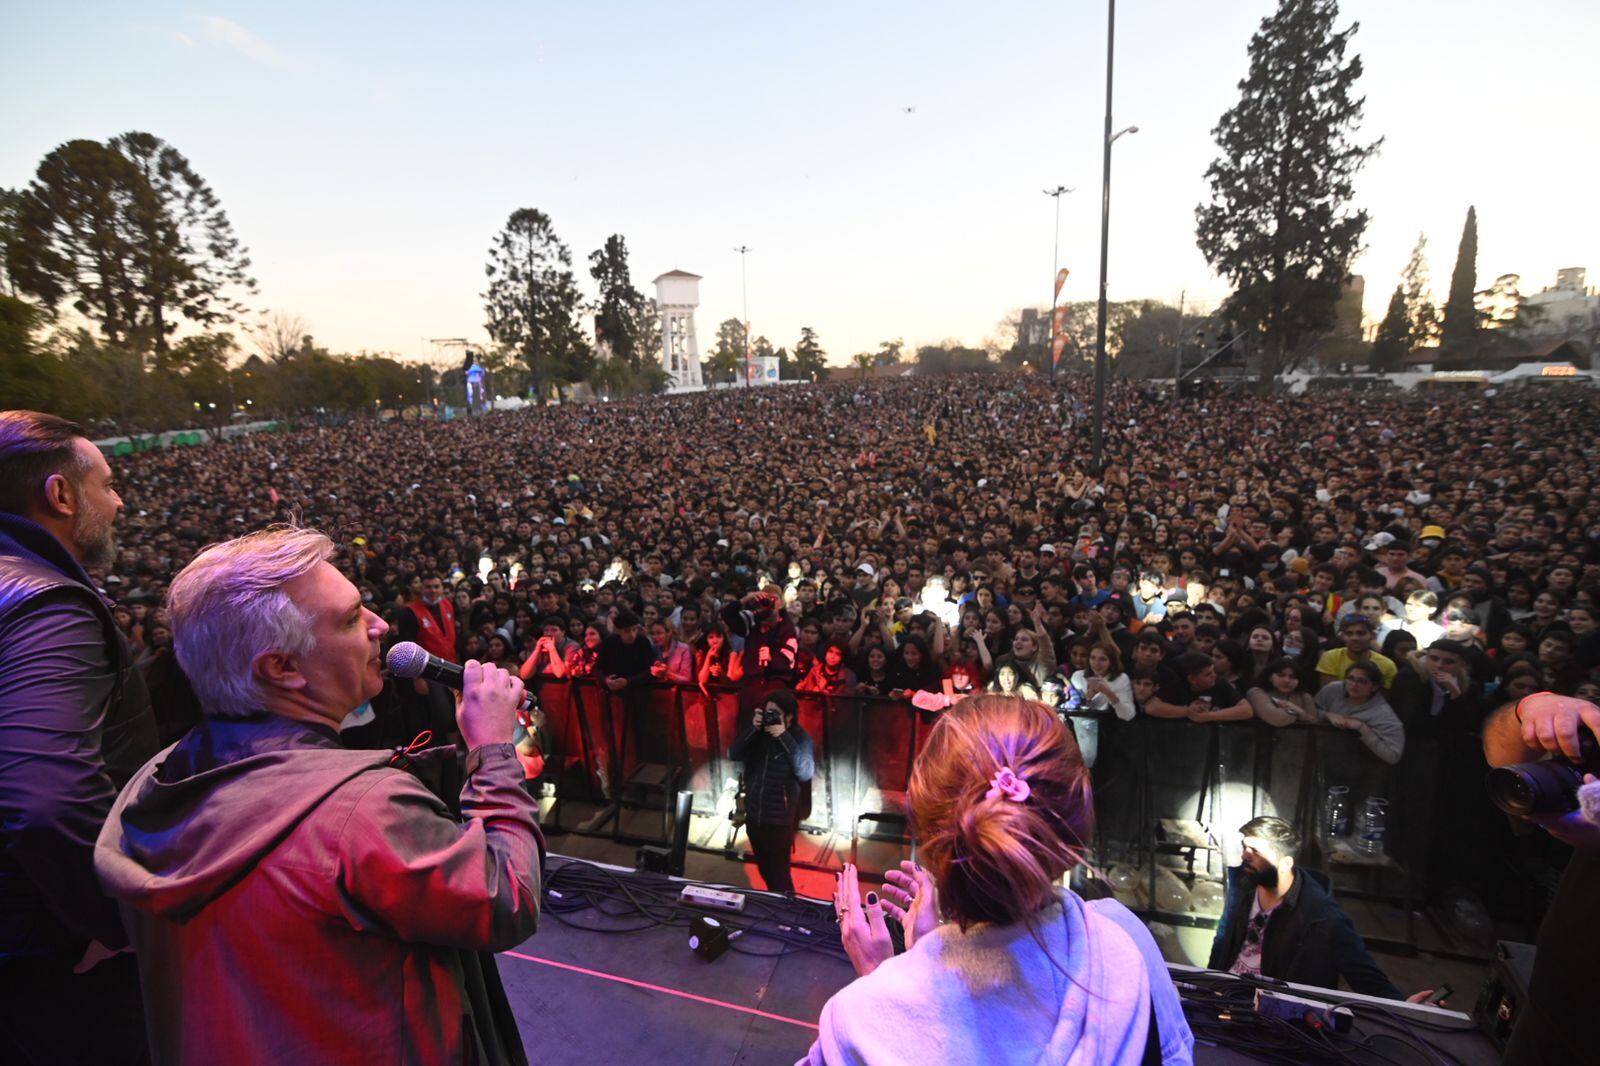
{"points": [[744, 295], [1105, 240], [1055, 270]]}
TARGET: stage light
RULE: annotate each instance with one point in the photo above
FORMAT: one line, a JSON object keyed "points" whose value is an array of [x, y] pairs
{"points": [[709, 938], [1236, 803]]}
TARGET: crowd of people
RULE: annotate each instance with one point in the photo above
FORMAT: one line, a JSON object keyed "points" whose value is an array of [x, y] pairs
{"points": [[1384, 565], [1409, 570]]}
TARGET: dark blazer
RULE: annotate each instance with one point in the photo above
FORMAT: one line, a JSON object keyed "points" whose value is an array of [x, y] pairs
{"points": [[1309, 940], [1411, 696]]}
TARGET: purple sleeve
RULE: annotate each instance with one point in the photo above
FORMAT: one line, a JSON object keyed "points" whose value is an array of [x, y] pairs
{"points": [[55, 679]]}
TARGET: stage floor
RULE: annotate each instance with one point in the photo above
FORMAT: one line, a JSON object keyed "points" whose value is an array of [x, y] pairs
{"points": [[593, 999]]}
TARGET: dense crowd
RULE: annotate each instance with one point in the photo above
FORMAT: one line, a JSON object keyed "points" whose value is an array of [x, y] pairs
{"points": [[1390, 565]]}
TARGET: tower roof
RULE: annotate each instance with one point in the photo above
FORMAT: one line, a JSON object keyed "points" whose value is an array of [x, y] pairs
{"points": [[678, 274]]}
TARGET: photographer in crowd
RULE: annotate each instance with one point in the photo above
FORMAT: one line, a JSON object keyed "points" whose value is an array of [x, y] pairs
{"points": [[778, 762]]}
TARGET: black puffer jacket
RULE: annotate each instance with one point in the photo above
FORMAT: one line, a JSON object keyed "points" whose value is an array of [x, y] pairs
{"points": [[776, 769]]}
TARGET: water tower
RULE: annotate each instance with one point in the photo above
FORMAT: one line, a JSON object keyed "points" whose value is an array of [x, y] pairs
{"points": [[677, 295]]}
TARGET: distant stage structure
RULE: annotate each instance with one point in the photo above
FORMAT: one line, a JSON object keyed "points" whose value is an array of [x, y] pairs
{"points": [[677, 295]]}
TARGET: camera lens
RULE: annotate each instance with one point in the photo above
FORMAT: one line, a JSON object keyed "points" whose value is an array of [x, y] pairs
{"points": [[1535, 787]]}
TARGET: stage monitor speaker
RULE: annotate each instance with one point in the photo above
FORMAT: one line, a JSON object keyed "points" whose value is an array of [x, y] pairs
{"points": [[652, 858]]}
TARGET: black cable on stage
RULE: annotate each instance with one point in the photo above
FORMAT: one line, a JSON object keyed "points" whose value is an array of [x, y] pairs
{"points": [[1219, 1007], [1220, 1010], [646, 901]]}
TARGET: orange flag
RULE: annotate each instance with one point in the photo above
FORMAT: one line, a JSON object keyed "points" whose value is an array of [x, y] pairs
{"points": [[1061, 279]]}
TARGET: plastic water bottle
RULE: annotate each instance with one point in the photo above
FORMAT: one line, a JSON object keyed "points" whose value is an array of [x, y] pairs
{"points": [[1374, 822], [1336, 816]]}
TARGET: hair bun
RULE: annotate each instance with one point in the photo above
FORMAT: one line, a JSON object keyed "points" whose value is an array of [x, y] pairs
{"points": [[997, 859]]}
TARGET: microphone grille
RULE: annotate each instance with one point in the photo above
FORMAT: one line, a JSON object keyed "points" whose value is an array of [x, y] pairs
{"points": [[407, 659]]}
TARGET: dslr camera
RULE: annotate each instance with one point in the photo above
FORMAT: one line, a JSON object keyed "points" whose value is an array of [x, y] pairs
{"points": [[1549, 786], [771, 717]]}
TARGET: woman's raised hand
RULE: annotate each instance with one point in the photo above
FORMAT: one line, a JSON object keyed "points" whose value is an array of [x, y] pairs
{"points": [[911, 896], [861, 926]]}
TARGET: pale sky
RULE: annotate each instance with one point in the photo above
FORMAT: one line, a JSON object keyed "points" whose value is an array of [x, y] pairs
{"points": [[367, 154]]}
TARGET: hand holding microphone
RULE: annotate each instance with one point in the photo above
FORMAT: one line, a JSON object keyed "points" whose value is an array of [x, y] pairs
{"points": [[491, 696], [490, 699]]}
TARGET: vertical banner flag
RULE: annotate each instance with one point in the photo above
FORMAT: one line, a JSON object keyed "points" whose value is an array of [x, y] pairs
{"points": [[1058, 325]]}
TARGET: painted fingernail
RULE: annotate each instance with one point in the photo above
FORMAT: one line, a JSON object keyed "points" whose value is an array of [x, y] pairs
{"points": [[872, 899]]}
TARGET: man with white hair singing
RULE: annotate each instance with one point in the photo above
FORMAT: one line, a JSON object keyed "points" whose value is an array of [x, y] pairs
{"points": [[291, 900]]}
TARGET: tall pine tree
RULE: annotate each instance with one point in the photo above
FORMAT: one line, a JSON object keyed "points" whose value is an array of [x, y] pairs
{"points": [[187, 262], [1279, 225], [810, 361], [1459, 332], [623, 315], [1394, 334], [532, 301], [1421, 315], [131, 236]]}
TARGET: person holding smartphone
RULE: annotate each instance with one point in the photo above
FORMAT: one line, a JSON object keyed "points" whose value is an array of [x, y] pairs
{"points": [[779, 761]]}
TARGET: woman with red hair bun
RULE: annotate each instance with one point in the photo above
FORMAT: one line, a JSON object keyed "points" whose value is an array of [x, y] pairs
{"points": [[1002, 964]]}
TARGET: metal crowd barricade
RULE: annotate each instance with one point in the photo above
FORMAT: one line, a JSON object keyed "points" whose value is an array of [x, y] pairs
{"points": [[599, 741], [1162, 787]]}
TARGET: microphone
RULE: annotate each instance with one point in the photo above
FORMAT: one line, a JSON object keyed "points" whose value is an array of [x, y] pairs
{"points": [[410, 660]]}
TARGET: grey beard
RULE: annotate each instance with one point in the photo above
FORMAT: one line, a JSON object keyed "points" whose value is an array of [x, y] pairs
{"points": [[95, 540]]}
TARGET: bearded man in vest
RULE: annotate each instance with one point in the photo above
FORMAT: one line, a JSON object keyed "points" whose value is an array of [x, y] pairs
{"points": [[75, 724]]}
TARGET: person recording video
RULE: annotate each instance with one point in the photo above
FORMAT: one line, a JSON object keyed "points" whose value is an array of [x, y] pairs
{"points": [[779, 760], [1545, 751]]}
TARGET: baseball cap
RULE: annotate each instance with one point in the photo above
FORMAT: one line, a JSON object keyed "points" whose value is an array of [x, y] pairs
{"points": [[1431, 533], [868, 569]]}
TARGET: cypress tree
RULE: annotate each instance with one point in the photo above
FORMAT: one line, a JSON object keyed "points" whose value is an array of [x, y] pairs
{"points": [[1459, 331]]}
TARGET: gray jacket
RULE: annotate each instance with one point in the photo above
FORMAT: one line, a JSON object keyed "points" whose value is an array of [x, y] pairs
{"points": [[1381, 730]]}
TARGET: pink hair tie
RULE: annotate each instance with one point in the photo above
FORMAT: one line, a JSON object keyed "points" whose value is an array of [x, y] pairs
{"points": [[1006, 783]]}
